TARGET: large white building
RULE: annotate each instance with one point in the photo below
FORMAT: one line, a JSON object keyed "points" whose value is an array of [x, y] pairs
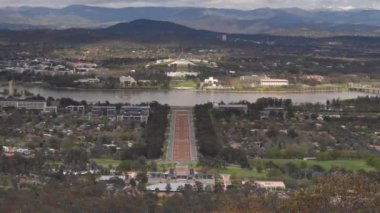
{"points": [[182, 63], [181, 74], [273, 82]]}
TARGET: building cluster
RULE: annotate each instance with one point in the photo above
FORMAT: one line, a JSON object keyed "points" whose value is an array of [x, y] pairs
{"points": [[175, 179], [129, 114], [46, 66]]}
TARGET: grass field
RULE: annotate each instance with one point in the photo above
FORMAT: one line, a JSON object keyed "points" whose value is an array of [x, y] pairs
{"points": [[105, 162], [351, 165], [182, 84], [242, 172]]}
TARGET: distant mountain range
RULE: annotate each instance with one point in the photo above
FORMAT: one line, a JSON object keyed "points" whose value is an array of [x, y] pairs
{"points": [[291, 21]]}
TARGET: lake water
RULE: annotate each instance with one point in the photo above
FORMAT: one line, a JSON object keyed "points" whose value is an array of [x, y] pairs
{"points": [[183, 97]]}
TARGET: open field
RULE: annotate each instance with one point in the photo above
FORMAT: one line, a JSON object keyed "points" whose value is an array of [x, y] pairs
{"points": [[182, 84], [351, 165], [243, 172], [105, 162]]}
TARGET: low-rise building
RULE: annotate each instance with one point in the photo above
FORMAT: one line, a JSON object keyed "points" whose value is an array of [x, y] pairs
{"points": [[211, 81], [134, 114], [88, 81], [271, 186], [273, 82], [182, 63], [181, 74], [23, 104], [272, 112], [76, 110], [126, 81], [103, 111], [50, 109], [233, 107], [318, 78], [249, 80]]}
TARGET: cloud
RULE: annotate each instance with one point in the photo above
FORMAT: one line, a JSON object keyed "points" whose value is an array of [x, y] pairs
{"points": [[239, 4]]}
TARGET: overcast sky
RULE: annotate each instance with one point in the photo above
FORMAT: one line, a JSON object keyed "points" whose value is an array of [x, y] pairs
{"points": [[239, 4]]}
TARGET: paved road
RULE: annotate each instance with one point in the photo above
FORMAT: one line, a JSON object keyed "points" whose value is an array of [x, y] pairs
{"points": [[181, 147], [181, 150]]}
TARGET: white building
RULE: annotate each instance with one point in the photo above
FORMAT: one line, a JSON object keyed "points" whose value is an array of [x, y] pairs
{"points": [[127, 81], [182, 63], [211, 81], [181, 74], [88, 80], [273, 82], [224, 37], [271, 186], [11, 89]]}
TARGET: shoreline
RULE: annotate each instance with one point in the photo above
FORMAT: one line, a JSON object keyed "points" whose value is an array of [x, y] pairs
{"points": [[237, 91]]}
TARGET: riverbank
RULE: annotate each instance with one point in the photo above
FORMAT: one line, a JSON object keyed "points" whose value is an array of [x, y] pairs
{"points": [[187, 85], [289, 89]]}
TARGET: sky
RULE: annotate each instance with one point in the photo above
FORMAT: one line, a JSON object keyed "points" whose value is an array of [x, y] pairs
{"points": [[237, 4]]}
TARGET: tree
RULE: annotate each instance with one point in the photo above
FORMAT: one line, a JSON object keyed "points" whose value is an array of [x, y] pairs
{"points": [[76, 158], [132, 182], [199, 186], [168, 187]]}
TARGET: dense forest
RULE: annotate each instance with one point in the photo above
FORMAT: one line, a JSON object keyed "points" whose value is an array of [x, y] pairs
{"points": [[154, 135], [213, 151]]}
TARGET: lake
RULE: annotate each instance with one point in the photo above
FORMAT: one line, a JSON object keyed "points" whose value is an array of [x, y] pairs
{"points": [[183, 97]]}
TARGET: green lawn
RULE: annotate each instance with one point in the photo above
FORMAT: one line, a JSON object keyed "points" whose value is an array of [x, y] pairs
{"points": [[351, 165], [243, 172], [183, 84], [105, 162]]}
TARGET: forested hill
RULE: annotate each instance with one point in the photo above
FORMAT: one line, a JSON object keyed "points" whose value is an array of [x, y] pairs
{"points": [[150, 31]]}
